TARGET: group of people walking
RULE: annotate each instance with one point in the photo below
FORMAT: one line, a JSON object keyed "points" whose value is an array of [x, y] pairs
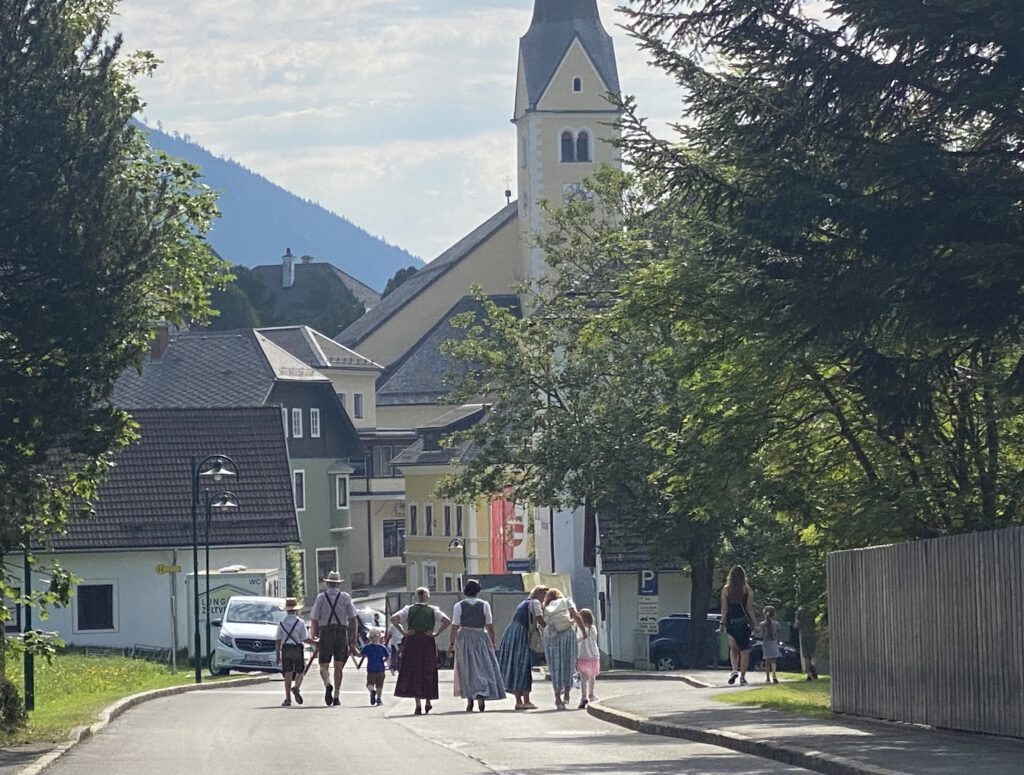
{"points": [[546, 622]]}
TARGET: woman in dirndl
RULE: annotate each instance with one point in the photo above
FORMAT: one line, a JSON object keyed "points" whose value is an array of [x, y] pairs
{"points": [[560, 643], [417, 674], [515, 655], [477, 675]]}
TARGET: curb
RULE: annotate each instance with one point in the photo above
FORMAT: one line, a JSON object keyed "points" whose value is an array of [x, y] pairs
{"points": [[809, 759], [686, 679], [111, 712]]}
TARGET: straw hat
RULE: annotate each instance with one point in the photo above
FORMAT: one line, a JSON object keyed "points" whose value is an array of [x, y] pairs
{"points": [[333, 577], [291, 604]]}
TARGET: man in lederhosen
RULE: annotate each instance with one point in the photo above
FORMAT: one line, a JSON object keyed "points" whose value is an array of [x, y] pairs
{"points": [[333, 625]]}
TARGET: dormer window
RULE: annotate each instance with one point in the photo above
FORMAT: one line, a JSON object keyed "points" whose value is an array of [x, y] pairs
{"points": [[577, 84]]}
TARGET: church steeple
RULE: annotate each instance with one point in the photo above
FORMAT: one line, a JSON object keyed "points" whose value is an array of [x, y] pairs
{"points": [[564, 120], [556, 24]]}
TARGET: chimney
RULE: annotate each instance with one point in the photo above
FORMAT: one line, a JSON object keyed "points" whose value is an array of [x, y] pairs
{"points": [[287, 269], [307, 259], [161, 338]]}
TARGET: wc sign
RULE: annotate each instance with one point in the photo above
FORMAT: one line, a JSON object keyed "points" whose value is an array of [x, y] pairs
{"points": [[648, 583]]}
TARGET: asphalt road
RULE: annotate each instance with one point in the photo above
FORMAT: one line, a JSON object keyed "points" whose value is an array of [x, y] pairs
{"points": [[245, 731]]}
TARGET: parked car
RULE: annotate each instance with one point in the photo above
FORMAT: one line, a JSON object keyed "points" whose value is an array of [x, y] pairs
{"points": [[670, 648], [369, 619], [246, 638]]}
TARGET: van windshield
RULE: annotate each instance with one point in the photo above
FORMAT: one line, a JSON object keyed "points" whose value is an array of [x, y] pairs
{"points": [[255, 613]]}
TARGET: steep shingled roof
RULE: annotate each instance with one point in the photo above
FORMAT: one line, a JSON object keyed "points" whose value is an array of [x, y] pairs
{"points": [[316, 349], [146, 502], [555, 24], [425, 277], [211, 368], [421, 375]]}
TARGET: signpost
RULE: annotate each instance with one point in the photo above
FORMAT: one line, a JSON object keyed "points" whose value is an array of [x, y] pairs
{"points": [[647, 602], [161, 569]]}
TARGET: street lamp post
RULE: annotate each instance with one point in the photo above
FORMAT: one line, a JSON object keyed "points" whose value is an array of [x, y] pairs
{"points": [[460, 543], [214, 467], [222, 501]]}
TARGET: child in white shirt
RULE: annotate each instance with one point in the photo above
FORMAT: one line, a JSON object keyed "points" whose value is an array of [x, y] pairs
{"points": [[588, 657]]}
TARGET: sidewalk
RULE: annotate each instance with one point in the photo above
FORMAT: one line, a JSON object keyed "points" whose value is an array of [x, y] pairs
{"points": [[675, 708]]}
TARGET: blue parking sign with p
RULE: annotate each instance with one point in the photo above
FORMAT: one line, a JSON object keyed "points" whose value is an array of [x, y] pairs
{"points": [[648, 582]]}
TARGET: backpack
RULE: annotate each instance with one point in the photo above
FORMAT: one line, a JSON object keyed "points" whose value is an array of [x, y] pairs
{"points": [[556, 613]]}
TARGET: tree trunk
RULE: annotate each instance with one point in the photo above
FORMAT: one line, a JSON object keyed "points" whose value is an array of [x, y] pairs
{"points": [[702, 578]]}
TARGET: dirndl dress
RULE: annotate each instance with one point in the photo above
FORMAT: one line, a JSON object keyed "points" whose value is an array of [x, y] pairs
{"points": [[417, 674], [476, 673], [514, 655]]}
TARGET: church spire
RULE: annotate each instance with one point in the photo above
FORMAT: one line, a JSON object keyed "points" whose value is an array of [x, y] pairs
{"points": [[555, 25]]}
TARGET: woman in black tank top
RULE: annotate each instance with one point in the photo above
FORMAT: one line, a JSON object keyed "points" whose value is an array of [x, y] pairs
{"points": [[738, 621]]}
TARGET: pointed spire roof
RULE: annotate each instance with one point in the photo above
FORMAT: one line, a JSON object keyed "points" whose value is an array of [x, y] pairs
{"points": [[556, 23]]}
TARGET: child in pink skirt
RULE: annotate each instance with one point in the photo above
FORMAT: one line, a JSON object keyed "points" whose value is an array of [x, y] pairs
{"points": [[588, 657]]}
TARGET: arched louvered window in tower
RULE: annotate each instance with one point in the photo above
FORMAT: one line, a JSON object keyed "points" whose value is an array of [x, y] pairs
{"points": [[583, 147], [568, 147]]}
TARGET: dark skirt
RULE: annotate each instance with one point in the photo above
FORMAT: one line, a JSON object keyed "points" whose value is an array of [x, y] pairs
{"points": [[516, 659], [417, 676]]}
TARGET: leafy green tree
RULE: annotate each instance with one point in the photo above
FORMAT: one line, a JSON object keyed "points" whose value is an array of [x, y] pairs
{"points": [[398, 278], [100, 237], [234, 309]]}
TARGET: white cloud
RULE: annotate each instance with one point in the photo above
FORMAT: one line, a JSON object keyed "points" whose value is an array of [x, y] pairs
{"points": [[392, 113]]}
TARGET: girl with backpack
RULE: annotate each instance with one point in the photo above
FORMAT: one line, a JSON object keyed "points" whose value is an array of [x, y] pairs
{"points": [[560, 643]]}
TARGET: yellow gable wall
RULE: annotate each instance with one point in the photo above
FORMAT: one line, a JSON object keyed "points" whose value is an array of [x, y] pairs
{"points": [[559, 95], [493, 265]]}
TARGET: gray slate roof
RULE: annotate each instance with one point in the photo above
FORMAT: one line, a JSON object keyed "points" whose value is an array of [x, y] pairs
{"points": [[314, 272], [316, 349], [424, 278], [425, 451], [422, 375], [211, 368], [146, 502], [556, 23]]}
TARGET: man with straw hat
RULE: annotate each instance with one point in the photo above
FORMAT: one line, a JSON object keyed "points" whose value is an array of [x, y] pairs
{"points": [[333, 625], [291, 634]]}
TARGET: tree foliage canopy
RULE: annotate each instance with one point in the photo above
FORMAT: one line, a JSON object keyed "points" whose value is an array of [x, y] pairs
{"points": [[803, 320], [100, 237]]}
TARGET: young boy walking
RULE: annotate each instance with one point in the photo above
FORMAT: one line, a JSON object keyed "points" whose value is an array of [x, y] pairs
{"points": [[376, 655], [291, 635]]}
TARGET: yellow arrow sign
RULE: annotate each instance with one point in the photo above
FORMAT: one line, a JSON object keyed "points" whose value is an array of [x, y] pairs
{"points": [[168, 569]]}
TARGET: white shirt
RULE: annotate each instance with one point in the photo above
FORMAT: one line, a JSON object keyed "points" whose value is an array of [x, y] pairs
{"points": [[587, 644], [298, 635], [457, 610], [439, 616]]}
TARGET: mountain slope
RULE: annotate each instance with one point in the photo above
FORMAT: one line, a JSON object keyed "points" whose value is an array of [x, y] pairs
{"points": [[259, 219]]}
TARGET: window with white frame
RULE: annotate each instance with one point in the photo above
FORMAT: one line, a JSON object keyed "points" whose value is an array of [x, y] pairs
{"points": [[430, 576], [447, 520], [577, 84], [296, 423], [299, 478], [414, 527], [458, 520], [428, 519], [314, 423], [95, 610], [357, 406], [341, 399], [449, 582], [341, 488], [393, 537], [284, 420], [326, 561]]}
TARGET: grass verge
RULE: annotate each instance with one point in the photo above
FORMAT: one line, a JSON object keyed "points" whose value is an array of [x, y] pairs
{"points": [[804, 698], [73, 689]]}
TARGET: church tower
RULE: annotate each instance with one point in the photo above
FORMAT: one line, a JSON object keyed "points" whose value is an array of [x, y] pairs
{"points": [[562, 114]]}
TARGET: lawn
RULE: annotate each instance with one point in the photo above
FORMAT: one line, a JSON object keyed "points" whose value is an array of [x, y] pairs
{"points": [[805, 698], [73, 690]]}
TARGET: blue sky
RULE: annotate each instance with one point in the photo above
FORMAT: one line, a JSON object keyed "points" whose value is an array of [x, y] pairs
{"points": [[393, 113]]}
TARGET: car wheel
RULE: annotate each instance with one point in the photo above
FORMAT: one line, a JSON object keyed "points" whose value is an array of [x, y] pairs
{"points": [[214, 669], [665, 660]]}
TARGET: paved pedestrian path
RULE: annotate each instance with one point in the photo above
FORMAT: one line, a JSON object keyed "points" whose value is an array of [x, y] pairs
{"points": [[835, 747]]}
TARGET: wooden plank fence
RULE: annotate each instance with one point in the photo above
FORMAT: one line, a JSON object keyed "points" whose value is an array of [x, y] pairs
{"points": [[931, 632]]}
